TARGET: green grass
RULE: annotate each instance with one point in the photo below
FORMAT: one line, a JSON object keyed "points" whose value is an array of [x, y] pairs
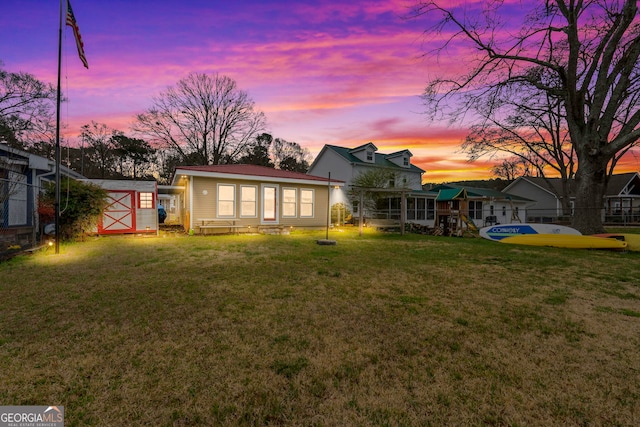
{"points": [[380, 329]]}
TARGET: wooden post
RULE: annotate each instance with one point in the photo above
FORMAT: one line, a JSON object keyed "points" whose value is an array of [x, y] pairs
{"points": [[403, 211], [361, 212]]}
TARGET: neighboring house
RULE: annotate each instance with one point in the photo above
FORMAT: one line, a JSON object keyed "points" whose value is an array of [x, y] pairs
{"points": [[132, 206], [225, 198], [622, 198], [22, 178], [459, 207], [621, 201], [346, 164]]}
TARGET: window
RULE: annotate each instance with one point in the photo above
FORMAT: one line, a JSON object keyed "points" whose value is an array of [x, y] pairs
{"points": [[248, 201], [431, 208], [369, 156], [475, 209], [411, 208], [421, 213], [306, 203], [226, 200], [289, 202], [145, 200], [406, 161]]}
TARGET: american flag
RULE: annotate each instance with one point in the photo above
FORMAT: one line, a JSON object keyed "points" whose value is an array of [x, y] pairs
{"points": [[71, 21]]}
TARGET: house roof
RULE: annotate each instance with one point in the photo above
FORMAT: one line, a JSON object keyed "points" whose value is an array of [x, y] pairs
{"points": [[617, 183], [247, 171], [36, 162], [379, 159]]}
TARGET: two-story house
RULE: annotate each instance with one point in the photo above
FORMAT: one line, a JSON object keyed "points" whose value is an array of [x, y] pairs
{"points": [[404, 181]]}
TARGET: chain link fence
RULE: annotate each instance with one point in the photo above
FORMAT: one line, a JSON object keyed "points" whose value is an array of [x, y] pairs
{"points": [[20, 227]]}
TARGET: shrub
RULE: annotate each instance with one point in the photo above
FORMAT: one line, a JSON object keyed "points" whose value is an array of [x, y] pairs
{"points": [[81, 205]]}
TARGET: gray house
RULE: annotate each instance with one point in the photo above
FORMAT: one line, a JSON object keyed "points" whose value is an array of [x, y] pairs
{"points": [[621, 201]]}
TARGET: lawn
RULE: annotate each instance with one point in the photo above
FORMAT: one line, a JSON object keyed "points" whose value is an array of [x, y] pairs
{"points": [[380, 329]]}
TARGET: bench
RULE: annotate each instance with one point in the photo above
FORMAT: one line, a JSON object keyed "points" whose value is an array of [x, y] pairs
{"points": [[212, 223]]}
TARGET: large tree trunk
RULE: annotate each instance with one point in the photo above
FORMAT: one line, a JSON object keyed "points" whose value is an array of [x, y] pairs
{"points": [[591, 184]]}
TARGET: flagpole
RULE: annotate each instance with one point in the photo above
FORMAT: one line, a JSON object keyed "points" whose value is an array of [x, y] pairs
{"points": [[57, 151]]}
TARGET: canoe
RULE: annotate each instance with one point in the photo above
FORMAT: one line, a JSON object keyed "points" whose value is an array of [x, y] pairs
{"points": [[633, 240], [500, 231], [566, 241]]}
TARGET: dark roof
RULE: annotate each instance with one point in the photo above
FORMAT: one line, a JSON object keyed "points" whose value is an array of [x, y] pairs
{"points": [[617, 183], [255, 170], [379, 159]]}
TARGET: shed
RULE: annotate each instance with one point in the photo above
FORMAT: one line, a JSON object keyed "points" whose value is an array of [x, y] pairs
{"points": [[132, 206]]}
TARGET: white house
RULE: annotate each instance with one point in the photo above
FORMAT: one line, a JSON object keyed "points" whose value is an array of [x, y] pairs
{"points": [[346, 164]]}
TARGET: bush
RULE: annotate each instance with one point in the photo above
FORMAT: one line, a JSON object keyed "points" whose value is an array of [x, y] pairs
{"points": [[81, 205]]}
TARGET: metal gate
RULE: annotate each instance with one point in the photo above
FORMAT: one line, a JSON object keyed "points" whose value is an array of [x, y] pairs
{"points": [[120, 214]]}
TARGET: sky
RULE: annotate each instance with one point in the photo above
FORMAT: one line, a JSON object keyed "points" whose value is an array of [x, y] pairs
{"points": [[323, 72]]}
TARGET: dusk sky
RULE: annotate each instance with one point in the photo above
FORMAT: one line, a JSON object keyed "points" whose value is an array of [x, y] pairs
{"points": [[323, 72]]}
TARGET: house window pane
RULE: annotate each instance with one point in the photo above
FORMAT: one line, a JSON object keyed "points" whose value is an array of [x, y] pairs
{"points": [[226, 200], [421, 211], [248, 201], [289, 202], [306, 203], [475, 210], [146, 201], [411, 208], [431, 209]]}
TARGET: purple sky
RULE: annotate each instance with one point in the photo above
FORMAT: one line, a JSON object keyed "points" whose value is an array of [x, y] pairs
{"points": [[323, 72]]}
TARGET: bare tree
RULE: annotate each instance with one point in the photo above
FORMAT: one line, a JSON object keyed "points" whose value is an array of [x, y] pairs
{"points": [[583, 54], [26, 108], [206, 119], [100, 150], [510, 169]]}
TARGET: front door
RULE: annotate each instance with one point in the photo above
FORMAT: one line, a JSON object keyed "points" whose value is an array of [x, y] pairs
{"points": [[269, 204]]}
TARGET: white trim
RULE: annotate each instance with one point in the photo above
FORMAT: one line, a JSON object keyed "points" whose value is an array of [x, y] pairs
{"points": [[295, 202], [257, 195], [190, 203], [313, 202], [235, 200], [276, 187]]}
